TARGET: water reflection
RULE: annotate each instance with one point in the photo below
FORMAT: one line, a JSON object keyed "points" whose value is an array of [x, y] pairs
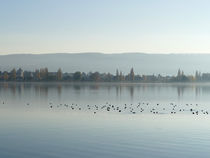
{"points": [[180, 91], [55, 132], [59, 87], [129, 91]]}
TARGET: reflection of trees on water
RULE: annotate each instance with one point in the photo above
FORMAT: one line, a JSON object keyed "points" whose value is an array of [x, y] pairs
{"points": [[180, 91], [117, 90], [197, 91], [206, 90], [41, 90], [131, 91], [44, 91], [13, 89], [59, 87], [77, 87], [37, 90]]}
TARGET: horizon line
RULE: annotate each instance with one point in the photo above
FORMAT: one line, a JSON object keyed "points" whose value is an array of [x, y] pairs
{"points": [[104, 53]]}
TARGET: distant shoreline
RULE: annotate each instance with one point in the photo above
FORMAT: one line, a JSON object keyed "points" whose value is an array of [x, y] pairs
{"points": [[93, 83]]}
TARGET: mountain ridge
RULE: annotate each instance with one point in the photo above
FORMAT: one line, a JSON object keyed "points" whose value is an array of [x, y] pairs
{"points": [[143, 63]]}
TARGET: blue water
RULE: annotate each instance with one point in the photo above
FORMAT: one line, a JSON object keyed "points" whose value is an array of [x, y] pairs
{"points": [[30, 128]]}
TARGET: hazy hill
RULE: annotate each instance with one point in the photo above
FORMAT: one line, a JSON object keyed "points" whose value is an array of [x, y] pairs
{"points": [[142, 63]]}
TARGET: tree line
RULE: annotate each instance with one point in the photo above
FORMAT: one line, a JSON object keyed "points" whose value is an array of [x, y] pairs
{"points": [[44, 75]]}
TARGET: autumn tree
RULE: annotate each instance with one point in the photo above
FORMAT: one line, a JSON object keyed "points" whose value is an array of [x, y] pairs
{"points": [[13, 74], [95, 76], [117, 75], [59, 75], [121, 76], [5, 76], [44, 73], [37, 75], [132, 75]]}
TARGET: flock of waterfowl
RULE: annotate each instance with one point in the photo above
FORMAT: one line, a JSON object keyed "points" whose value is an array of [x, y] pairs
{"points": [[141, 107]]}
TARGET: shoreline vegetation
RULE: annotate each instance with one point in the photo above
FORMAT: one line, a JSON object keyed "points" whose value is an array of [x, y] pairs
{"points": [[43, 75]]}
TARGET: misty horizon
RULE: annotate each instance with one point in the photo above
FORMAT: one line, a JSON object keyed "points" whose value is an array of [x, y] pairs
{"points": [[108, 53], [164, 64]]}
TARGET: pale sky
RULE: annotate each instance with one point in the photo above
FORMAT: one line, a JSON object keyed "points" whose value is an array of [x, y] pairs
{"points": [[108, 26]]}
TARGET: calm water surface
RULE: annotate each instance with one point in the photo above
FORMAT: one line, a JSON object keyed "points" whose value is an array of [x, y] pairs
{"points": [[57, 120]]}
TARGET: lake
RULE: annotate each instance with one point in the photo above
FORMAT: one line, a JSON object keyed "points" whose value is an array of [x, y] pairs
{"points": [[104, 120]]}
